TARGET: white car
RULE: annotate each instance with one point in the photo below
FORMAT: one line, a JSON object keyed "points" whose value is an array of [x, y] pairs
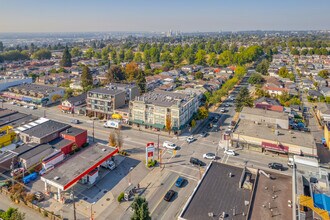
{"points": [[26, 106], [222, 110], [169, 145], [230, 152], [210, 156], [190, 139]]}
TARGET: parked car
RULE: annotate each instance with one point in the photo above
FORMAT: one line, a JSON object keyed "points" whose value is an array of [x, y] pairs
{"points": [[75, 121], [39, 196], [32, 107], [25, 106], [168, 196], [180, 181], [227, 105], [222, 110], [169, 145], [195, 161], [276, 166], [190, 139], [203, 134], [17, 171], [210, 156], [230, 152]]}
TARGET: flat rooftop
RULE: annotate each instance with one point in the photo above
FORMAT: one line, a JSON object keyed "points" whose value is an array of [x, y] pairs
{"points": [[267, 132], [73, 131], [79, 165], [34, 151], [6, 112], [164, 98], [59, 143], [46, 128], [37, 88], [264, 113], [279, 186], [106, 91], [218, 193], [6, 120]]}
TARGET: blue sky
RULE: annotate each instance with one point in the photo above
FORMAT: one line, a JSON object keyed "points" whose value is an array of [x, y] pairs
{"points": [[156, 15]]}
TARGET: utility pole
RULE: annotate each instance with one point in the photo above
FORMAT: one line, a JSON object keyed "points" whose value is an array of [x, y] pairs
{"points": [[45, 113], [93, 131], [74, 204], [158, 148]]}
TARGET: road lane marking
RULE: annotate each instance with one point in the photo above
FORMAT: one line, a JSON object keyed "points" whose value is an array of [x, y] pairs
{"points": [[183, 174], [162, 198]]}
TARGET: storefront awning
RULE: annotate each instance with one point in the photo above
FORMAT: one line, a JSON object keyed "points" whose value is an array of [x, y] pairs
{"points": [[275, 147], [160, 126], [136, 121]]}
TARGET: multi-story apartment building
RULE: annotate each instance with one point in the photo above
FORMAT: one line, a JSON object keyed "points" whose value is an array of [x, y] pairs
{"points": [[102, 102], [34, 93], [152, 109]]}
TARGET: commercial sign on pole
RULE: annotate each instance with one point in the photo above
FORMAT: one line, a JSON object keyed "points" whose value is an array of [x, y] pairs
{"points": [[150, 150]]}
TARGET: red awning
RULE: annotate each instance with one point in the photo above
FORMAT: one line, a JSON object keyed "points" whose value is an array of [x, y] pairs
{"points": [[275, 147]]}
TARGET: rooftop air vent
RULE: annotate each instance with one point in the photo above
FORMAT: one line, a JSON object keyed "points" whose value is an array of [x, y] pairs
{"points": [[56, 178]]}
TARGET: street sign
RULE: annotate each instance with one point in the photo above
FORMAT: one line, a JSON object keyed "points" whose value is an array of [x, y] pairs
{"points": [[150, 149]]}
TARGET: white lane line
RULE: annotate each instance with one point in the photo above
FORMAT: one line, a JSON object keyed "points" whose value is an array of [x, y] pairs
{"points": [[227, 158]]}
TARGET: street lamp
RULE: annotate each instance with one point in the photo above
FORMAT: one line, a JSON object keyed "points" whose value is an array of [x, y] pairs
{"points": [[129, 175], [92, 215]]}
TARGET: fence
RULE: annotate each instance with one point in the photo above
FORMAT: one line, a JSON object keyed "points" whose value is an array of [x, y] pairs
{"points": [[42, 211]]}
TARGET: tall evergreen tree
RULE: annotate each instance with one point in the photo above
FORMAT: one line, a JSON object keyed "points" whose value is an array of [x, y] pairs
{"points": [[66, 58], [243, 99], [141, 81], [1, 46], [86, 78], [141, 210]]}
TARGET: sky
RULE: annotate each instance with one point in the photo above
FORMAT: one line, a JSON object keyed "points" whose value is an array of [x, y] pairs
{"points": [[162, 15]]}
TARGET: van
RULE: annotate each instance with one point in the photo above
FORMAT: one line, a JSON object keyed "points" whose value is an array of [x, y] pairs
{"points": [[169, 145], [129, 192]]}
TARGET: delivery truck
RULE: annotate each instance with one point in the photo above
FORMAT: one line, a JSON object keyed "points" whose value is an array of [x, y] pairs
{"points": [[112, 124]]}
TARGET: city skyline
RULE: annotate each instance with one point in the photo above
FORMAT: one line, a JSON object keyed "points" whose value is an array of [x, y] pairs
{"points": [[157, 16]]}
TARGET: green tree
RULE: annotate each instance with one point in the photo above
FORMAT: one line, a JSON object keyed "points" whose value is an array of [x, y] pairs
{"points": [[105, 53], [66, 58], [177, 54], [138, 57], [68, 93], [129, 56], [189, 55], [324, 74], [166, 57], [86, 79], [154, 54], [226, 58], [115, 74], [212, 60], [90, 53], [42, 54], [113, 57], [202, 113], [141, 81], [76, 52], [243, 99], [200, 58], [12, 214], [255, 78], [1, 46], [263, 66], [199, 75], [240, 72], [141, 210], [121, 56], [295, 51]]}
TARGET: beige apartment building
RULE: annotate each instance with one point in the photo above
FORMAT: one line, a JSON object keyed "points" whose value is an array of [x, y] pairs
{"points": [[152, 108]]}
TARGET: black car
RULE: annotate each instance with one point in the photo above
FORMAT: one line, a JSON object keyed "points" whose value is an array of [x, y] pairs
{"points": [[276, 166], [168, 196], [197, 162]]}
